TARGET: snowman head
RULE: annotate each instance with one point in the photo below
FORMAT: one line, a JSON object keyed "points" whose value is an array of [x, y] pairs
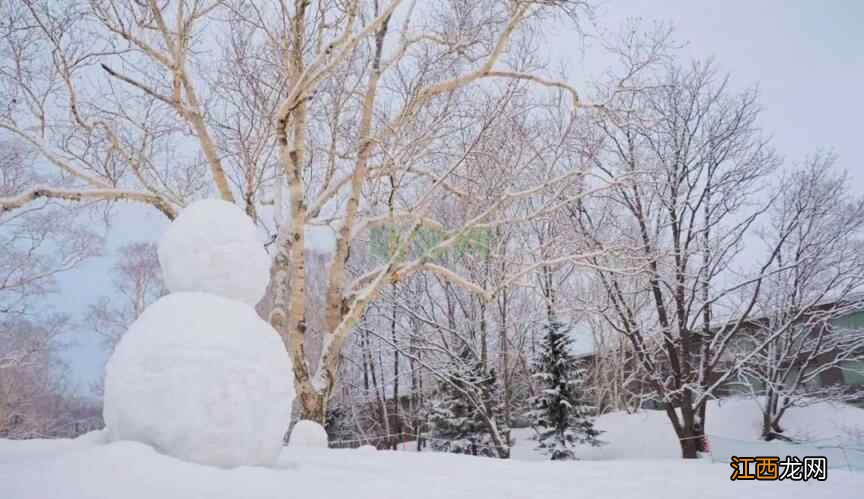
{"points": [[212, 247]]}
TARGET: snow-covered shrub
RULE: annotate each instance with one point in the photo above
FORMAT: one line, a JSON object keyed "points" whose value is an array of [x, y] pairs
{"points": [[465, 416]]}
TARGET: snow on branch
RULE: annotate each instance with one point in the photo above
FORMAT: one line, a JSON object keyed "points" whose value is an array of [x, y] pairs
{"points": [[44, 192]]}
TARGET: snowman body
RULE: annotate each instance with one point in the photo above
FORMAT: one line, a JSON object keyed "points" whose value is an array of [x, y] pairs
{"points": [[199, 376]]}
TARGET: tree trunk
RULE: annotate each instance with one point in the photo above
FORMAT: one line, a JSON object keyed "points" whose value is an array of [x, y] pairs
{"points": [[483, 332], [768, 421], [771, 415], [498, 440], [690, 447], [382, 399], [364, 342], [691, 438], [397, 422], [313, 406], [504, 347], [690, 429], [767, 434]]}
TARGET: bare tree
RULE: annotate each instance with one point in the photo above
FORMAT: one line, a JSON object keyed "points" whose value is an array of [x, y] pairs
{"points": [[614, 373], [33, 398], [38, 242], [701, 165], [137, 284], [820, 274]]}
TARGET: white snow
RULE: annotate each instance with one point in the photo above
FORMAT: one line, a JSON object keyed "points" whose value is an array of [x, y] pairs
{"points": [[130, 470], [201, 378], [212, 247], [308, 433], [641, 462], [732, 423]]}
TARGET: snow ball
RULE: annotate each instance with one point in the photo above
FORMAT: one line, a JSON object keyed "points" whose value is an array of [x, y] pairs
{"points": [[201, 378], [212, 247], [308, 433]]}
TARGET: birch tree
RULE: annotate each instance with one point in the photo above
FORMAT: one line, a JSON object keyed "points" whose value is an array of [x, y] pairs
{"points": [[39, 243], [31, 386], [137, 283]]}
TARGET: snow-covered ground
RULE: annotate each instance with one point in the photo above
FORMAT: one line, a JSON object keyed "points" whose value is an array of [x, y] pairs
{"points": [[640, 461], [128, 470], [731, 422]]}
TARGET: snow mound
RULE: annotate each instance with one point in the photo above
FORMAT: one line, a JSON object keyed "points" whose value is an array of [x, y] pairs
{"points": [[732, 424], [212, 247], [201, 378], [309, 434], [367, 448]]}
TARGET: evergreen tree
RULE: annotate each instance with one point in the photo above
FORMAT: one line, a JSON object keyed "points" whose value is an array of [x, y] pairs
{"points": [[340, 427], [559, 413], [456, 415]]}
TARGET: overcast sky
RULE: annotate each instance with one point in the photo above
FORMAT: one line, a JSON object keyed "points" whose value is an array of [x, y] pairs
{"points": [[806, 57]]}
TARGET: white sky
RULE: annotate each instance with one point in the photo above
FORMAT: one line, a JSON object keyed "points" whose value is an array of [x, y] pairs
{"points": [[806, 57]]}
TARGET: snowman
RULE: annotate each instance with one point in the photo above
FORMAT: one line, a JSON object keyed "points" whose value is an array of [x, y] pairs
{"points": [[199, 376]]}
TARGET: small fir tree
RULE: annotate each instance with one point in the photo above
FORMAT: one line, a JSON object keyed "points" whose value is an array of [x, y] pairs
{"points": [[559, 412], [455, 417]]}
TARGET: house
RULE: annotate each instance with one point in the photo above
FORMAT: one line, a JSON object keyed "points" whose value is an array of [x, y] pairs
{"points": [[619, 366]]}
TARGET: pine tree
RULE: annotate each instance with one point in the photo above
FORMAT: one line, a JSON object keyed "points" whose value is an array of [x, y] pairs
{"points": [[559, 413], [456, 415], [340, 427]]}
